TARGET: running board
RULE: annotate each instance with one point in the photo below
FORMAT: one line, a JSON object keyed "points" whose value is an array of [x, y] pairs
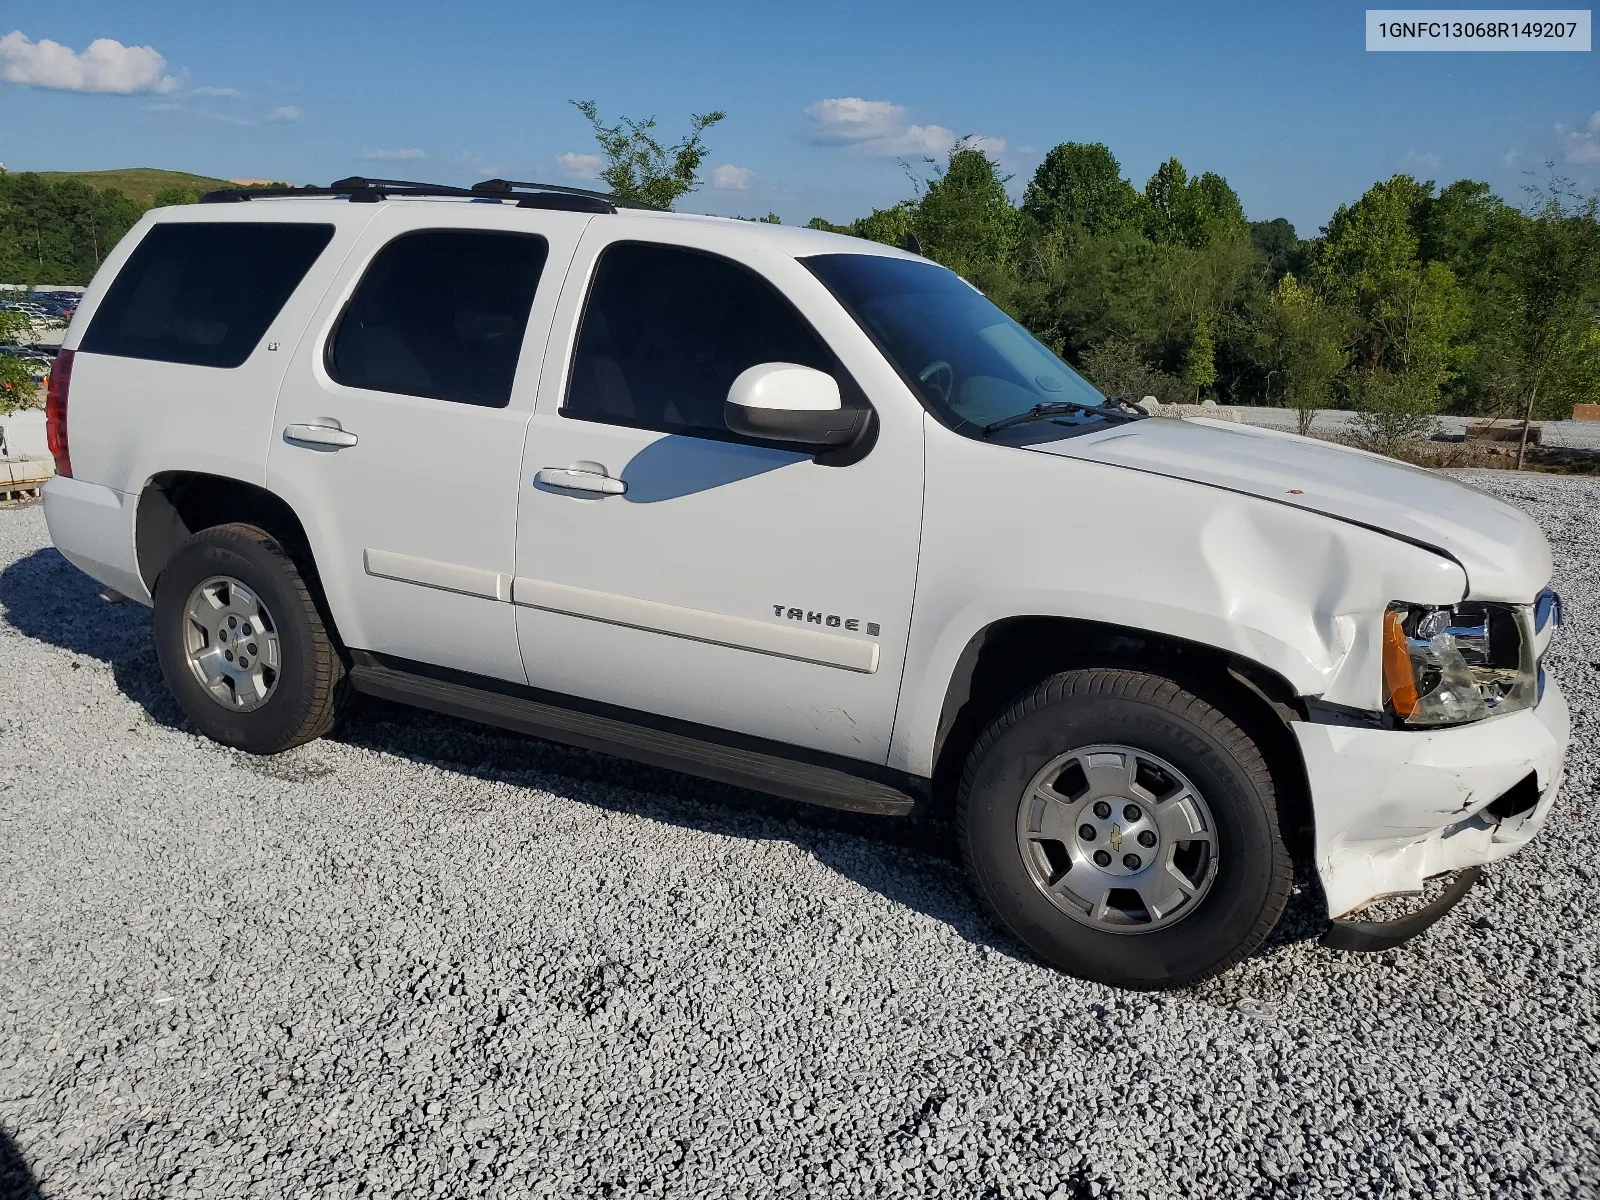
{"points": [[504, 705]]}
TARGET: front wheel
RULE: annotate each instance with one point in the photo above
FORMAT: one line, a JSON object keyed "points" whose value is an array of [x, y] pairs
{"points": [[1125, 830]]}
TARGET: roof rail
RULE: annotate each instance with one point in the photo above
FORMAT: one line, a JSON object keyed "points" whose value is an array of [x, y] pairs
{"points": [[544, 195], [356, 188], [361, 190]]}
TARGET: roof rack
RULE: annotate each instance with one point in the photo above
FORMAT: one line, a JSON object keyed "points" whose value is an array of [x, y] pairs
{"points": [[361, 190], [355, 188], [556, 195]]}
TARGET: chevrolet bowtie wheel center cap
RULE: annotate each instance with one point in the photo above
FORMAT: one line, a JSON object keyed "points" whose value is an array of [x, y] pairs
{"points": [[1118, 838]]}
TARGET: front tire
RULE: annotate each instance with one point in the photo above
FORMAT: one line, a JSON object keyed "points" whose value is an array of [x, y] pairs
{"points": [[1124, 830], [242, 644]]}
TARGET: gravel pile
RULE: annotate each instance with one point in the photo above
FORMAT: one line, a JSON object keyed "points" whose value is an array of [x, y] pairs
{"points": [[427, 959]]}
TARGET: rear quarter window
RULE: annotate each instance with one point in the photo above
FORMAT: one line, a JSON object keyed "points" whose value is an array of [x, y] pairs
{"points": [[203, 293]]}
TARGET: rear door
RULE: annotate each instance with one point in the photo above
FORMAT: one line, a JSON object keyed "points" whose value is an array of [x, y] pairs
{"points": [[187, 344], [399, 428]]}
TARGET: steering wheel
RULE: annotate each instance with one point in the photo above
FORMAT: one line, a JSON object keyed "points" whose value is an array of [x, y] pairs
{"points": [[939, 375]]}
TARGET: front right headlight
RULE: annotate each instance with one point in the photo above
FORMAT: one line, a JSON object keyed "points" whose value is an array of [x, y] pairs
{"points": [[1462, 662]]}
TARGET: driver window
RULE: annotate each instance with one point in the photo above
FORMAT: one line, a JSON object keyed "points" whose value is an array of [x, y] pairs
{"points": [[666, 331]]}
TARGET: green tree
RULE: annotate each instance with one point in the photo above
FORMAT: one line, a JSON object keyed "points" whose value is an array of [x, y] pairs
{"points": [[1081, 184], [964, 218], [17, 389], [1118, 368], [638, 167], [1311, 336], [1369, 243], [1164, 195], [58, 232], [887, 225], [1555, 266], [1200, 359], [1410, 317], [175, 195], [1280, 251], [1193, 213]]}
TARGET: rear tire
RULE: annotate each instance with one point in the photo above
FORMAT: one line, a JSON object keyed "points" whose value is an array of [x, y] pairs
{"points": [[1123, 788], [239, 575]]}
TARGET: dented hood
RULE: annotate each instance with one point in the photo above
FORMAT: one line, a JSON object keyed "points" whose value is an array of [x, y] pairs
{"points": [[1502, 551]]}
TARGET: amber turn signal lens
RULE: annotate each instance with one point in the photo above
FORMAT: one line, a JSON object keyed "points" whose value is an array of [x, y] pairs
{"points": [[1398, 680]]}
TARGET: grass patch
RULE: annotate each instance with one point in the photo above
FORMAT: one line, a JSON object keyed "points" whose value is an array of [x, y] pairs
{"points": [[140, 184]]}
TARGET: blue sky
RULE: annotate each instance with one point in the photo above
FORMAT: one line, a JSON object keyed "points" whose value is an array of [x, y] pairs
{"points": [[823, 99]]}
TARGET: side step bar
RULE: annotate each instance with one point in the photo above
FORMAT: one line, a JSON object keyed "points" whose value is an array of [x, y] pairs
{"points": [[504, 706]]}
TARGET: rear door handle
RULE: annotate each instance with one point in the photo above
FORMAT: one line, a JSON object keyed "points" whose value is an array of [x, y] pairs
{"points": [[319, 433], [581, 477]]}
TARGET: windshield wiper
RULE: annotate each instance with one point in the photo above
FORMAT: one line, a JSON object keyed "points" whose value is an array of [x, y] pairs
{"points": [[1056, 408]]}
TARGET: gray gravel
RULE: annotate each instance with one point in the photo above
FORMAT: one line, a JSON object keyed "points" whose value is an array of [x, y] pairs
{"points": [[1571, 435], [425, 959]]}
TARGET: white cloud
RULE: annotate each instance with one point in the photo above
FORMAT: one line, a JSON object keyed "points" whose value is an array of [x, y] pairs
{"points": [[284, 112], [1510, 157], [578, 166], [485, 168], [392, 155], [106, 66], [875, 127], [1428, 161], [215, 93], [731, 178], [1583, 145]]}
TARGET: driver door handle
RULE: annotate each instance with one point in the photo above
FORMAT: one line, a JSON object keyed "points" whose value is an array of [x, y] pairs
{"points": [[321, 433], [577, 478]]}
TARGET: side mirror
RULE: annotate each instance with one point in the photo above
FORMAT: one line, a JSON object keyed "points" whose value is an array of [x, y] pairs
{"points": [[785, 402]]}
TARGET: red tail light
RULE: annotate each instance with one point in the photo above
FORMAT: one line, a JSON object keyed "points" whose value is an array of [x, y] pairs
{"points": [[55, 412]]}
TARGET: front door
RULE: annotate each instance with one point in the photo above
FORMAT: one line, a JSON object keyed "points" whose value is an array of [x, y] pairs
{"points": [[399, 429], [667, 566]]}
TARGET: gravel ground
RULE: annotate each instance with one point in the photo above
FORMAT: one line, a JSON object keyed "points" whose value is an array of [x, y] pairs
{"points": [[1571, 435], [421, 958]]}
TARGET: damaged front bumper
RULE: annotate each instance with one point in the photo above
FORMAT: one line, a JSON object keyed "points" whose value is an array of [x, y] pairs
{"points": [[1396, 807]]}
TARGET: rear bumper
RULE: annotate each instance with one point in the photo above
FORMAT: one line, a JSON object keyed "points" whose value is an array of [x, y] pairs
{"points": [[1396, 807], [92, 526]]}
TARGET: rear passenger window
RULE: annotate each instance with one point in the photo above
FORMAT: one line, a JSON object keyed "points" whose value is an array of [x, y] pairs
{"points": [[666, 331], [441, 313], [203, 293]]}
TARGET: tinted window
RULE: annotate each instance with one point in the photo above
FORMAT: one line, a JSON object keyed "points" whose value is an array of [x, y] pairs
{"points": [[667, 330], [441, 313], [203, 293], [970, 363]]}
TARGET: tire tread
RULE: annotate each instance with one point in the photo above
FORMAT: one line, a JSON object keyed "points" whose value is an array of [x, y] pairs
{"points": [[1175, 701], [322, 703]]}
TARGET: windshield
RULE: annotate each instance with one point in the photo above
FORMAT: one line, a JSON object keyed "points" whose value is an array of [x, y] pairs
{"points": [[970, 363]]}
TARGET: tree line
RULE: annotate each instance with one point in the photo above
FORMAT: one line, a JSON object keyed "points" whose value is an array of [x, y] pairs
{"points": [[1414, 299], [59, 231]]}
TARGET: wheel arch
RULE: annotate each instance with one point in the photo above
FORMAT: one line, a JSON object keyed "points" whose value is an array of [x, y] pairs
{"points": [[174, 505], [1008, 656]]}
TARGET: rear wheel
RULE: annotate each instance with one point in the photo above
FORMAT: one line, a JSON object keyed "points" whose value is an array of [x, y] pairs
{"points": [[242, 644], [1124, 829]]}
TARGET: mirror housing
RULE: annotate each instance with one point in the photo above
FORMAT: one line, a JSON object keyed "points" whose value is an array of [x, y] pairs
{"points": [[785, 402]]}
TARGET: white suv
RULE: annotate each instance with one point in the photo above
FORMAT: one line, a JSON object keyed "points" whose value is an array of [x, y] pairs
{"points": [[807, 514]]}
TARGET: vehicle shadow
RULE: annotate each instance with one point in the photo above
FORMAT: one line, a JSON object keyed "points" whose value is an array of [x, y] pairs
{"points": [[44, 597], [16, 1180], [909, 860]]}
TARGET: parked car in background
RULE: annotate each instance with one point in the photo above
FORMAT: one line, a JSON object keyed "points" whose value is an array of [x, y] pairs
{"points": [[808, 514]]}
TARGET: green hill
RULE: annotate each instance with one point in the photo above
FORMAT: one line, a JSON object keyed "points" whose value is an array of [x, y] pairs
{"points": [[139, 184]]}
